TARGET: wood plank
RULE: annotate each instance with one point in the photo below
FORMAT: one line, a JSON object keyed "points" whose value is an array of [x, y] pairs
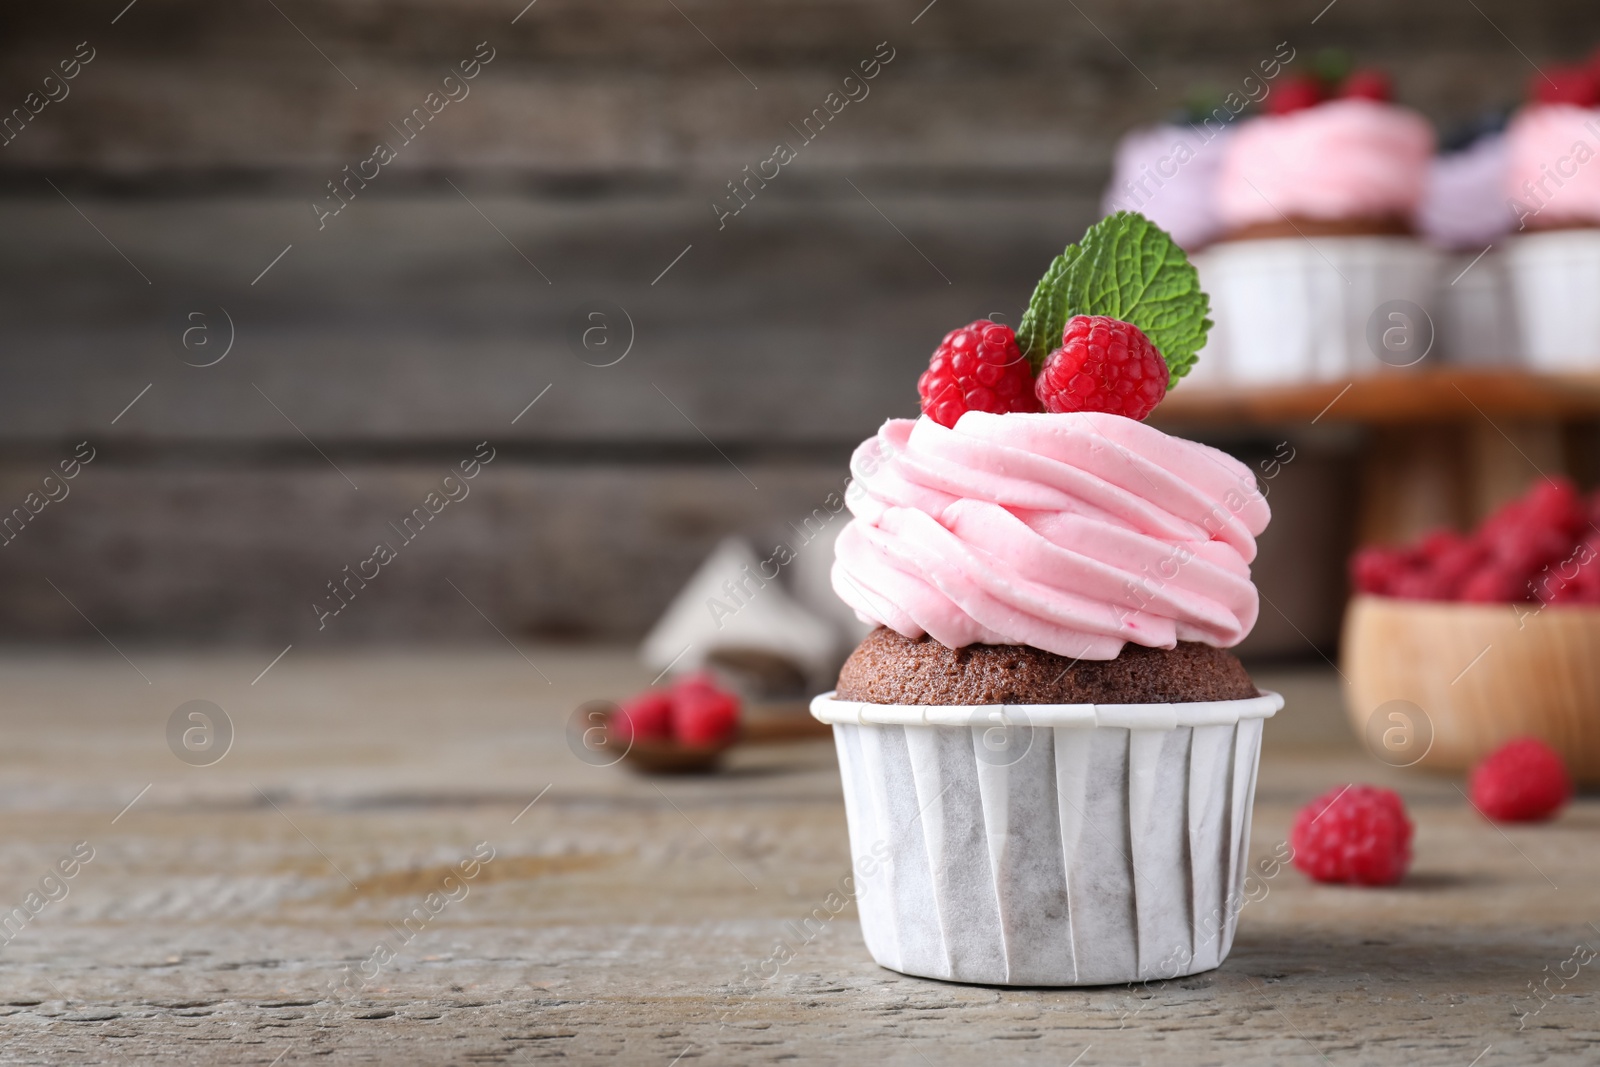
{"points": [[1021, 83], [245, 551], [220, 545], [807, 322]]}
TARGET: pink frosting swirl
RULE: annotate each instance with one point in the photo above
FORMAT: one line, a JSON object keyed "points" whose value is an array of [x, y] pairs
{"points": [[1074, 533], [1553, 171], [1345, 159]]}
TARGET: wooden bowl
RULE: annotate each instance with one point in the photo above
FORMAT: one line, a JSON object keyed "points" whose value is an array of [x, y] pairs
{"points": [[1441, 685]]}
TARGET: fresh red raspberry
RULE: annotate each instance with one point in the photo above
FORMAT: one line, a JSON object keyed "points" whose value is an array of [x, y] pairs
{"points": [[1566, 85], [646, 717], [1103, 365], [1521, 781], [1576, 579], [976, 368], [702, 714], [1368, 84], [1378, 569], [1295, 94], [1357, 834], [1494, 584]]}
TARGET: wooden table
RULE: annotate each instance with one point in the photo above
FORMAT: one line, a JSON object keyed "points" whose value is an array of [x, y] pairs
{"points": [[1442, 447], [620, 917]]}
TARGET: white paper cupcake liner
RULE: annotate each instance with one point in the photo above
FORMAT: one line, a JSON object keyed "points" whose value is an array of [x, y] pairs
{"points": [[1555, 281], [1049, 845], [1295, 310]]}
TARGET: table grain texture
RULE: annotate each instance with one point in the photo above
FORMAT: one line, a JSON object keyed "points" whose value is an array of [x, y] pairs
{"points": [[230, 914]]}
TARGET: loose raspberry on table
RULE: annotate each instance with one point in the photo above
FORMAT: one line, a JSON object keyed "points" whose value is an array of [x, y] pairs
{"points": [[1357, 834], [976, 368], [1103, 365], [1522, 781]]}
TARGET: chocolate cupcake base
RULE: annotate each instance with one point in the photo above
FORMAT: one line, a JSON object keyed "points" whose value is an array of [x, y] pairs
{"points": [[890, 669]]}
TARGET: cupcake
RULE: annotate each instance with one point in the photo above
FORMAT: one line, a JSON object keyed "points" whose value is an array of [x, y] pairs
{"points": [[1464, 215], [1319, 204], [1048, 754], [1553, 185], [1168, 173]]}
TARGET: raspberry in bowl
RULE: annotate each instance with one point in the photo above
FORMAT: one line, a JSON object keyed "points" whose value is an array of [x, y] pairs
{"points": [[1483, 637], [1048, 753]]}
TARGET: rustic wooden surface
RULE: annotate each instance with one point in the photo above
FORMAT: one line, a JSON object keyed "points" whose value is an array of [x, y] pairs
{"points": [[620, 918]]}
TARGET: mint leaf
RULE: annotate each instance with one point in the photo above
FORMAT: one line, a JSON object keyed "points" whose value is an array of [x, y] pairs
{"points": [[1128, 268], [1039, 333]]}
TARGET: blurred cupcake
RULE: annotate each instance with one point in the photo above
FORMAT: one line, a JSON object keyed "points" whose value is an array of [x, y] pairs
{"points": [[1319, 201], [1168, 173], [1553, 185], [1464, 215]]}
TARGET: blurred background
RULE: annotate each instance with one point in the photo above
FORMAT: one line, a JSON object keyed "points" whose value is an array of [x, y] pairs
{"points": [[272, 373]]}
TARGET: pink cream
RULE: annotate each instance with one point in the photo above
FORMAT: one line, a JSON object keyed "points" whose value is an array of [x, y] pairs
{"points": [[1074, 533]]}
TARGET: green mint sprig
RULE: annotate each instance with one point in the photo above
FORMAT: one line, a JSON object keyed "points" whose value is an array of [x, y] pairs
{"points": [[1127, 268]]}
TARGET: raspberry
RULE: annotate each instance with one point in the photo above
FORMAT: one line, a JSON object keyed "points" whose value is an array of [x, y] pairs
{"points": [[646, 717], [1576, 579], [1378, 570], [1103, 365], [1494, 584], [1566, 85], [1295, 94], [1522, 781], [1368, 84], [1358, 834], [1531, 549], [702, 714], [976, 368]]}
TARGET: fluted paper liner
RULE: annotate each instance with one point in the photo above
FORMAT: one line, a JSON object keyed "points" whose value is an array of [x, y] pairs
{"points": [[1292, 310], [1555, 278], [1100, 844]]}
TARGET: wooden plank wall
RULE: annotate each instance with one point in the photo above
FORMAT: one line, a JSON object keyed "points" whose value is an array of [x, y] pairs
{"points": [[373, 349]]}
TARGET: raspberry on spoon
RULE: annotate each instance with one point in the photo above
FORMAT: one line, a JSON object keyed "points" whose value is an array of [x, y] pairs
{"points": [[1103, 365], [976, 368]]}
